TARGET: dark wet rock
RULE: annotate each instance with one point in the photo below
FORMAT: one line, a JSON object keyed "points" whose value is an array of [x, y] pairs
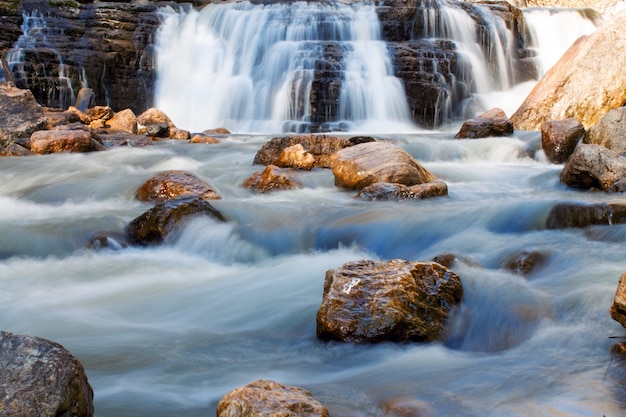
{"points": [[85, 99], [610, 131], [361, 165], [320, 146], [169, 185], [154, 225], [618, 308], [525, 263], [387, 191], [270, 398], [396, 300], [272, 178], [559, 138], [107, 240], [594, 166], [20, 114], [579, 215], [406, 407], [446, 259], [489, 124], [39, 377]]}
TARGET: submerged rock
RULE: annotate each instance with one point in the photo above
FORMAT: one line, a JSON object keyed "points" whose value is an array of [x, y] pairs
{"points": [[567, 215], [594, 166], [169, 185], [388, 191], [361, 165], [39, 377], [154, 225], [396, 300], [525, 263], [269, 398], [272, 178], [585, 83], [559, 138]]}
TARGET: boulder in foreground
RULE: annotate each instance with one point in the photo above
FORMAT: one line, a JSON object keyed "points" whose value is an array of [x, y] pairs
{"points": [[587, 82], [41, 378], [579, 215], [361, 165], [594, 167], [395, 300], [559, 138], [269, 398]]}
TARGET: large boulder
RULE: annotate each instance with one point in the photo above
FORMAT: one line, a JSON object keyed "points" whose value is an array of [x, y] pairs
{"points": [[169, 185], [610, 131], [395, 300], [41, 378], [269, 398], [491, 123], [559, 138], [568, 215], [20, 114], [594, 166], [154, 225], [154, 122], [587, 82], [63, 140], [618, 308], [361, 165], [124, 121]]}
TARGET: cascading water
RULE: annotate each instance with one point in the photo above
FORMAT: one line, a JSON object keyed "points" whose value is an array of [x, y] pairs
{"points": [[35, 33], [253, 68]]}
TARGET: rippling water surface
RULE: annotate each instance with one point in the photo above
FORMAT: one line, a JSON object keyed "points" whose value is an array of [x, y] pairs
{"points": [[168, 330]]}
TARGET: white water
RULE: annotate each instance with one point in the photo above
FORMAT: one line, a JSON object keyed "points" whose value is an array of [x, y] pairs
{"points": [[169, 330], [249, 68]]}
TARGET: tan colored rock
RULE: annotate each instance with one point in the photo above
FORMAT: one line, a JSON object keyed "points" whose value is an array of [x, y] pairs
{"points": [[272, 178], [388, 191], [41, 378], [361, 165], [153, 116], [168, 185], [559, 138], [269, 398], [618, 308], [178, 134], [13, 149], [594, 166], [20, 114], [396, 300], [124, 120], [217, 131], [585, 83], [52, 141], [610, 131], [58, 118], [205, 139], [295, 157]]}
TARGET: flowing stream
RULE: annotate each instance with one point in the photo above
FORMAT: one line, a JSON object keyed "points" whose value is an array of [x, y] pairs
{"points": [[168, 330]]}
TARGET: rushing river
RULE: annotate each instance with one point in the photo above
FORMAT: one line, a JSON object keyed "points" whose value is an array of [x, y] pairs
{"points": [[168, 330]]}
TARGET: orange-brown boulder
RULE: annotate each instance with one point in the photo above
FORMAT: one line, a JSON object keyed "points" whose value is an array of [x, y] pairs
{"points": [[295, 157], [202, 138], [269, 398], [361, 165], [618, 308], [559, 138], [395, 300], [124, 120], [587, 82], [168, 185], [178, 134], [272, 178], [63, 140]]}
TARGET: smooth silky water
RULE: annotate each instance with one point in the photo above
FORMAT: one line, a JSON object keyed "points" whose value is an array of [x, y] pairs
{"points": [[168, 330]]}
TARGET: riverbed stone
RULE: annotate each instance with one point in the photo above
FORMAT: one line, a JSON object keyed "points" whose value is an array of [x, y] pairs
{"points": [[618, 308], [610, 131], [585, 83], [14, 149], [39, 377], [204, 139], [168, 185], [295, 157], [63, 140], [579, 215], [489, 124], [594, 167], [272, 178], [361, 165], [526, 262], [154, 122], [395, 300], [270, 398], [559, 138], [20, 114], [125, 121], [154, 225], [382, 191]]}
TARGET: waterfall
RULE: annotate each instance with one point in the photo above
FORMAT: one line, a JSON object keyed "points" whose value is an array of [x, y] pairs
{"points": [[35, 36], [279, 67]]}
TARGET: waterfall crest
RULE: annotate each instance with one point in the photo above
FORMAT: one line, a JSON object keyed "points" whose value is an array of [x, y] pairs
{"points": [[279, 67]]}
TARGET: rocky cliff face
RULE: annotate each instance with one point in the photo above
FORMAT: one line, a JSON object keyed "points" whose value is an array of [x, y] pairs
{"points": [[108, 46]]}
